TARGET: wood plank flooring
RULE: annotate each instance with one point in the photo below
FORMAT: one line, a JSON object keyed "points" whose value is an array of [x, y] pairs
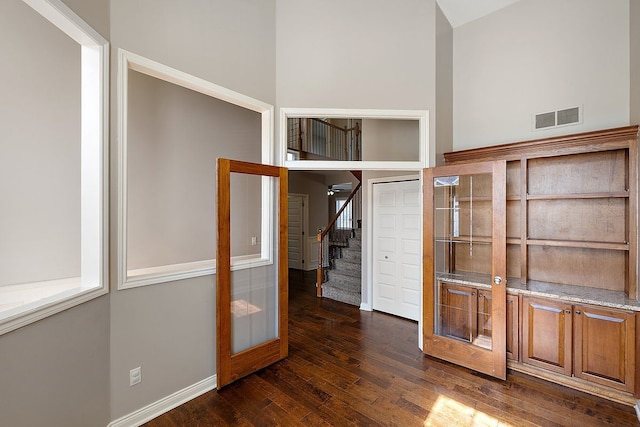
{"points": [[352, 368]]}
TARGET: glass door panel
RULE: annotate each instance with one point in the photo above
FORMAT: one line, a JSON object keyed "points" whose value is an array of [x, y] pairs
{"points": [[254, 279], [465, 265], [463, 207]]}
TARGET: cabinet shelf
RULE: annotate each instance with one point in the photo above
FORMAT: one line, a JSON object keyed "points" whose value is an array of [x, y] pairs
{"points": [[465, 239], [476, 239], [474, 198], [579, 244], [599, 195]]}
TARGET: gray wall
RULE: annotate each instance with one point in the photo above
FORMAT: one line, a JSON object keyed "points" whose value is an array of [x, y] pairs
{"points": [[40, 148], [536, 56], [356, 54], [314, 185], [634, 37], [175, 136], [444, 86], [391, 140], [169, 329], [55, 372]]}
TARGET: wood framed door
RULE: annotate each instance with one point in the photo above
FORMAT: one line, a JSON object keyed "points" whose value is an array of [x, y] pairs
{"points": [[464, 213], [251, 280]]}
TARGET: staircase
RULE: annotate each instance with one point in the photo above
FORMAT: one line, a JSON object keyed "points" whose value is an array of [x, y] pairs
{"points": [[345, 276]]}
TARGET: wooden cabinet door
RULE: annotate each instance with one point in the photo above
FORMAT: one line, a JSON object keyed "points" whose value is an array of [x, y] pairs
{"points": [[458, 313], [546, 334], [604, 346], [464, 230], [485, 322]]}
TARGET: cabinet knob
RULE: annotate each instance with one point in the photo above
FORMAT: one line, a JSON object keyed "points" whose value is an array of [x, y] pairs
{"points": [[578, 312], [568, 311], [497, 280]]}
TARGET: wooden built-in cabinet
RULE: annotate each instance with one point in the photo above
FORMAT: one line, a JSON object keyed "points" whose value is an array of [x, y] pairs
{"points": [[572, 237], [466, 315], [547, 334], [593, 343], [604, 342]]}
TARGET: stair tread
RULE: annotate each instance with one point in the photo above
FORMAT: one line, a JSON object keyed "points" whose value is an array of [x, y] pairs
{"points": [[350, 286], [343, 295], [354, 274]]}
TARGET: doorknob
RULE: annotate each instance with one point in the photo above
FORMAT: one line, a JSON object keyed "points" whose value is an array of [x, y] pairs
{"points": [[497, 280]]}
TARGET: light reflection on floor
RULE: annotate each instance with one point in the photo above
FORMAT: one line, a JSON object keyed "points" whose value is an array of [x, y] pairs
{"points": [[449, 412], [242, 308]]}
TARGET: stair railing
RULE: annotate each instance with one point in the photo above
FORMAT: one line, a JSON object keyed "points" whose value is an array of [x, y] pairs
{"points": [[316, 139], [325, 256]]}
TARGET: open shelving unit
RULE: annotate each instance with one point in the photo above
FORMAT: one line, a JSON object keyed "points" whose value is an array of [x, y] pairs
{"points": [[571, 208]]}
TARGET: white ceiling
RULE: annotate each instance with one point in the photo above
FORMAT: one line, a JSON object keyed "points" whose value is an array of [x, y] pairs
{"points": [[459, 12]]}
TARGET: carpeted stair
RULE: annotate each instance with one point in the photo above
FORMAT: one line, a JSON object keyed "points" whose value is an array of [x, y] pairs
{"points": [[345, 279]]}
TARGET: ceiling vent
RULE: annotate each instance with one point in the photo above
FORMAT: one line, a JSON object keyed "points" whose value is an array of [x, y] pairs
{"points": [[552, 119]]}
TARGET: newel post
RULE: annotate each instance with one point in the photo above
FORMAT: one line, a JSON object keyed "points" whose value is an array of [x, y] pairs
{"points": [[319, 274]]}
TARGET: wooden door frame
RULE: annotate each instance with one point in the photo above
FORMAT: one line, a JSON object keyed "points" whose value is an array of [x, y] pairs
{"points": [[491, 362], [231, 367]]}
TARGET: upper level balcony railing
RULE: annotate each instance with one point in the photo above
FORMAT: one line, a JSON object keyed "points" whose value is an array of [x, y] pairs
{"points": [[316, 139]]}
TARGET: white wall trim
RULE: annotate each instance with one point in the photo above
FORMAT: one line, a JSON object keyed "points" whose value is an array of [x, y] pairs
{"points": [[164, 273], [368, 305], [59, 14], [94, 126], [422, 116], [166, 404]]}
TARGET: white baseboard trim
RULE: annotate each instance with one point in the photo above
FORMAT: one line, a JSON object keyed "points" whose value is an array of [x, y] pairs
{"points": [[166, 404], [365, 306]]}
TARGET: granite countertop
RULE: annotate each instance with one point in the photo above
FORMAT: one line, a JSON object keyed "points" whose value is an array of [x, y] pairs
{"points": [[571, 293]]}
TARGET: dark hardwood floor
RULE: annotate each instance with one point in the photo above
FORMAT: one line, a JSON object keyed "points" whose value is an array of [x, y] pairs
{"points": [[348, 367]]}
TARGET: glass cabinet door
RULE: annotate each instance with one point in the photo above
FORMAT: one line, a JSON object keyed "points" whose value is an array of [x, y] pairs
{"points": [[464, 291]]}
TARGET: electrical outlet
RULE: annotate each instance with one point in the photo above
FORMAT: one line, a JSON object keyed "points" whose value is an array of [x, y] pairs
{"points": [[135, 376], [254, 241]]}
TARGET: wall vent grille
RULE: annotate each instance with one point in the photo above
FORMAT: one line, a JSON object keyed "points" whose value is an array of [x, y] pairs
{"points": [[551, 119]]}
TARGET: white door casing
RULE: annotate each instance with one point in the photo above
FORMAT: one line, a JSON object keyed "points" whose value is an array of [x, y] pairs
{"points": [[397, 252]]}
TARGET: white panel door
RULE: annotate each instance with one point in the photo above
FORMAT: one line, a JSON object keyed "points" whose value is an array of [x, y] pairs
{"points": [[397, 248], [296, 230]]}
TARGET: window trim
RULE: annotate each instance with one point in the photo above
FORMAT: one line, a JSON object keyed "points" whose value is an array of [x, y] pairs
{"points": [[94, 276], [128, 278]]}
